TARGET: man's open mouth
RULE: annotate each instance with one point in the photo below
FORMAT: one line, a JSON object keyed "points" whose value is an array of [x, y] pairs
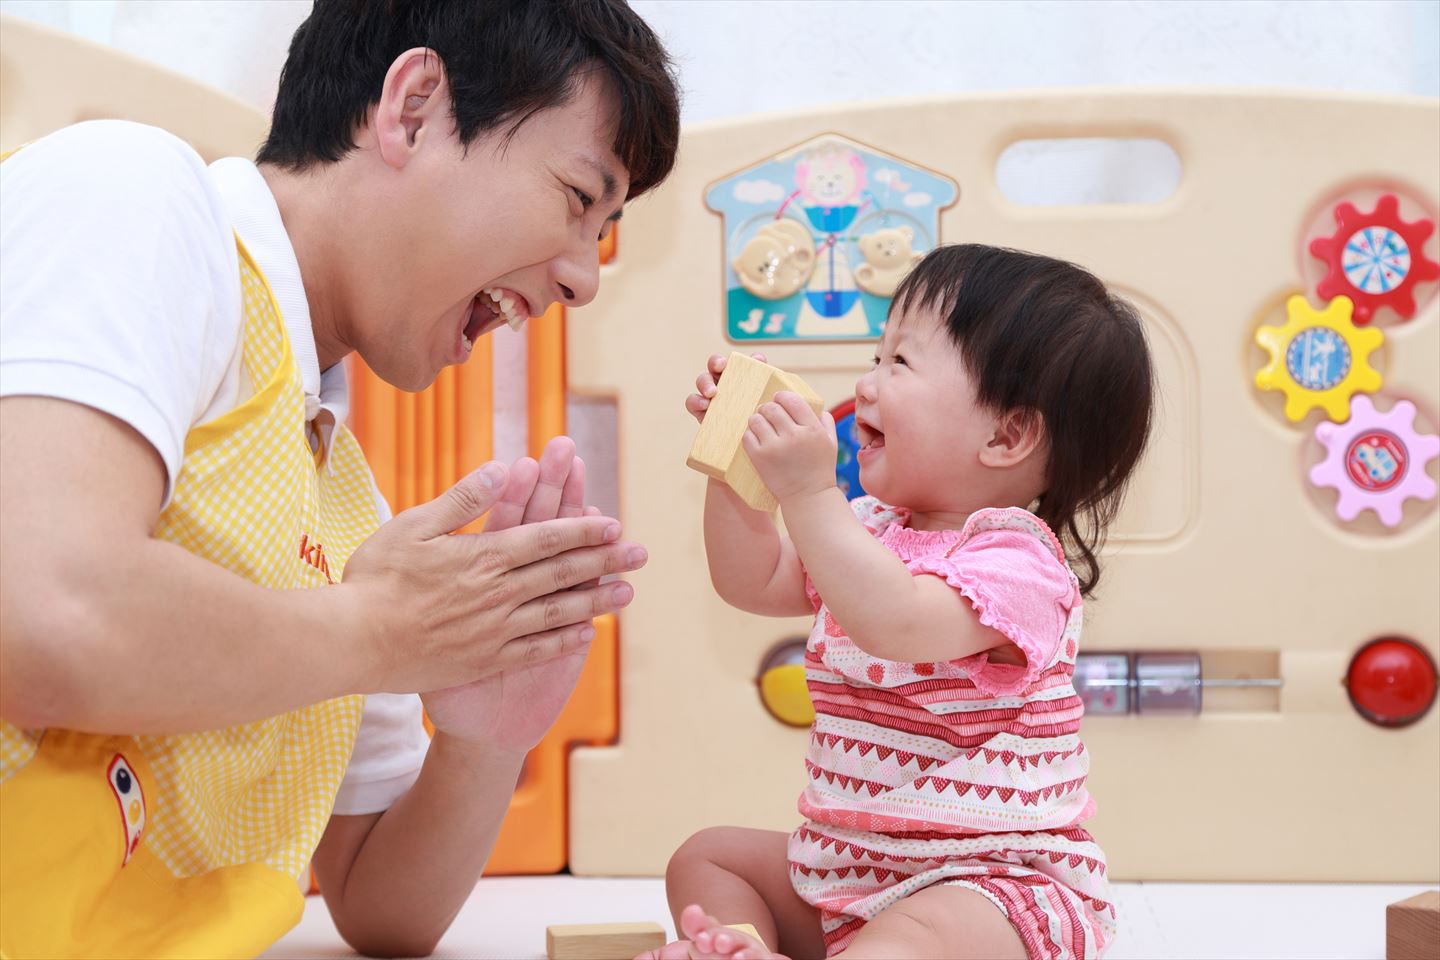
{"points": [[490, 308]]}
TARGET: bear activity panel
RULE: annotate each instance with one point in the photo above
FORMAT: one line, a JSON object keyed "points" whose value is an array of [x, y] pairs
{"points": [[1229, 557], [819, 236]]}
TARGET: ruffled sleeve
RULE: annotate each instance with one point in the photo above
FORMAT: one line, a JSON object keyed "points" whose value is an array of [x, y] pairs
{"points": [[1011, 569]]}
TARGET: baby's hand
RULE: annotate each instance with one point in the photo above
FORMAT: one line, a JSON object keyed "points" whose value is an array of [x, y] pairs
{"points": [[791, 447], [698, 403]]}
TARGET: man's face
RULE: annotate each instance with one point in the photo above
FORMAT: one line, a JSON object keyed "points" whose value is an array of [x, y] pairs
{"points": [[477, 237]]}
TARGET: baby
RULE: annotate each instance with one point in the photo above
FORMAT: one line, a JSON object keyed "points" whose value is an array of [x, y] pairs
{"points": [[1008, 406]]}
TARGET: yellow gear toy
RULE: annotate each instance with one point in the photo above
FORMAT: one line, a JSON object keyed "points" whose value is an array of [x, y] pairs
{"points": [[1319, 358]]}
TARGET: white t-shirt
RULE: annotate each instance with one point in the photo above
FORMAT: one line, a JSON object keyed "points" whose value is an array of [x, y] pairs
{"points": [[120, 290]]}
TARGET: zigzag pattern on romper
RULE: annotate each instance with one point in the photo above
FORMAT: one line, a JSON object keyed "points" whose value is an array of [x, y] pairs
{"points": [[920, 775]]}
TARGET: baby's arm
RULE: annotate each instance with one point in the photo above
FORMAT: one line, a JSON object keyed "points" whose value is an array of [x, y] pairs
{"points": [[752, 566], [888, 612], [885, 610]]}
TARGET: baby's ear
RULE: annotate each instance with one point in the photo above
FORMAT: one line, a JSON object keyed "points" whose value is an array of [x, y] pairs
{"points": [[1018, 433]]}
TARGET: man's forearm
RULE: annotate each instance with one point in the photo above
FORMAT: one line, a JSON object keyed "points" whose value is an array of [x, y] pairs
{"points": [[395, 883], [87, 648]]}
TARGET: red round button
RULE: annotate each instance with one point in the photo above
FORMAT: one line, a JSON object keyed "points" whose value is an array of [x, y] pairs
{"points": [[1391, 682]]}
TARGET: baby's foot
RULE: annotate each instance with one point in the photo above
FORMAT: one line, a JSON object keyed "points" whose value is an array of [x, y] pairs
{"points": [[712, 940]]}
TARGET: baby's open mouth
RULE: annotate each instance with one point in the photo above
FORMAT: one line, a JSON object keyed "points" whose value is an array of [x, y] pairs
{"points": [[869, 437]]}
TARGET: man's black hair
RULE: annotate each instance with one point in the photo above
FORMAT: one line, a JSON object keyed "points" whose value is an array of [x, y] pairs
{"points": [[505, 60]]}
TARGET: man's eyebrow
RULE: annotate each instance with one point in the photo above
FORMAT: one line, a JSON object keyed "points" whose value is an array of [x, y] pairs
{"points": [[608, 179]]}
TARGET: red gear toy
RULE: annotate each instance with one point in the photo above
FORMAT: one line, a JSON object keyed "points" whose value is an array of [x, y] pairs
{"points": [[1375, 259]]}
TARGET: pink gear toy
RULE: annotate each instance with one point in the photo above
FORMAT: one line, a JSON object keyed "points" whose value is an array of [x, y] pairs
{"points": [[1375, 259], [1376, 460]]}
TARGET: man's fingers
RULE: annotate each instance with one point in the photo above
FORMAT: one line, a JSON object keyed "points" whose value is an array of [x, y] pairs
{"points": [[572, 498], [556, 611], [570, 640], [524, 545], [468, 499], [577, 567], [509, 510], [555, 465]]}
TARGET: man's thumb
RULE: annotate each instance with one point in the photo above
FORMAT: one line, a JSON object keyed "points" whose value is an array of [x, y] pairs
{"points": [[469, 499]]}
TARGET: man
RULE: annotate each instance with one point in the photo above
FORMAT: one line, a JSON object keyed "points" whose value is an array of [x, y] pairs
{"points": [[175, 478]]}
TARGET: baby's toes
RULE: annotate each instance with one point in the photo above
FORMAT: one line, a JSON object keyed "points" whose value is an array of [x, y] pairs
{"points": [[694, 920], [675, 950]]}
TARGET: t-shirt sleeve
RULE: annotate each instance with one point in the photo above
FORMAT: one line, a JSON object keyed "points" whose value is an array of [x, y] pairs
{"points": [[1018, 586], [120, 289], [389, 751], [390, 747]]}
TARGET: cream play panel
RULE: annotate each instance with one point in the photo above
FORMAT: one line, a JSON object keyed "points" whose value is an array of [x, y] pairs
{"points": [[1225, 548], [50, 79]]}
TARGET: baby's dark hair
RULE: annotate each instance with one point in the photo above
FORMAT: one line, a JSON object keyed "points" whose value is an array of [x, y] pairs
{"points": [[1044, 335]]}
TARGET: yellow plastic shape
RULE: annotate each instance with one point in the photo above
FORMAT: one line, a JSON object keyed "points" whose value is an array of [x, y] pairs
{"points": [[717, 453], [783, 691], [1319, 358]]}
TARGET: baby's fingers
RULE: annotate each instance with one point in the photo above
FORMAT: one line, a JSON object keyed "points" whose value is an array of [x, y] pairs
{"points": [[696, 406], [795, 405]]}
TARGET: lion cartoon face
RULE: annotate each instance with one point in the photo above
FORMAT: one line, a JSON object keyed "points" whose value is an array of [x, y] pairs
{"points": [[830, 177]]}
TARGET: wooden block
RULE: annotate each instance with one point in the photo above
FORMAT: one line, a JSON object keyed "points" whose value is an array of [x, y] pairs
{"points": [[1412, 928], [602, 941], [746, 928], [745, 384]]}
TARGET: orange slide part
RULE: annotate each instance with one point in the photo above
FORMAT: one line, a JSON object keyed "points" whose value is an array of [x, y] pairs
{"points": [[418, 445]]}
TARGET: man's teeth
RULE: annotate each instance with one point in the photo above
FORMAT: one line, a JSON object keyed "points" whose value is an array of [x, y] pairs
{"points": [[506, 306]]}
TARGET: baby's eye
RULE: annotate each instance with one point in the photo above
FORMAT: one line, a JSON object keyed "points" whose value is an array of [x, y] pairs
{"points": [[875, 361], [900, 360]]}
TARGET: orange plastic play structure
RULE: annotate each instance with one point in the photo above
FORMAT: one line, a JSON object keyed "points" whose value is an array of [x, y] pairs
{"points": [[418, 445]]}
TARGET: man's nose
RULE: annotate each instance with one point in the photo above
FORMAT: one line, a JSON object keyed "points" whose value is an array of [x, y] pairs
{"points": [[576, 275]]}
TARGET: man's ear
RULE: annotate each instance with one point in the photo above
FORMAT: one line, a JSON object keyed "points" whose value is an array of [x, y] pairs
{"points": [[1017, 434], [414, 106]]}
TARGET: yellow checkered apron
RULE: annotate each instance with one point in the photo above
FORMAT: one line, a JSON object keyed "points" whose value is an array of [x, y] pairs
{"points": [[191, 845]]}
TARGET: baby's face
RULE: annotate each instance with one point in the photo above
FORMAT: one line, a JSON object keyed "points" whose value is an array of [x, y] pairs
{"points": [[916, 418]]}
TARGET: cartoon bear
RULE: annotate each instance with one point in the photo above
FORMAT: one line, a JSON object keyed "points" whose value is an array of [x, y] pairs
{"points": [[776, 262], [888, 258]]}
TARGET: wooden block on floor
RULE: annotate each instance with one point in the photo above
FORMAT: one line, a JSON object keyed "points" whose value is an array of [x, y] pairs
{"points": [[602, 941], [1412, 928], [746, 928], [745, 384]]}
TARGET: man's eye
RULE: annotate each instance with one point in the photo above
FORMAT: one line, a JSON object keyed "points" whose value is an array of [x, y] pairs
{"points": [[585, 198]]}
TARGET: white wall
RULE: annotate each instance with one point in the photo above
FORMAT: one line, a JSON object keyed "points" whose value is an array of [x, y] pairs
{"points": [[746, 56]]}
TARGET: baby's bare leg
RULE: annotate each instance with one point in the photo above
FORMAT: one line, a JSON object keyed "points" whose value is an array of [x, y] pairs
{"points": [[938, 921], [740, 875]]}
